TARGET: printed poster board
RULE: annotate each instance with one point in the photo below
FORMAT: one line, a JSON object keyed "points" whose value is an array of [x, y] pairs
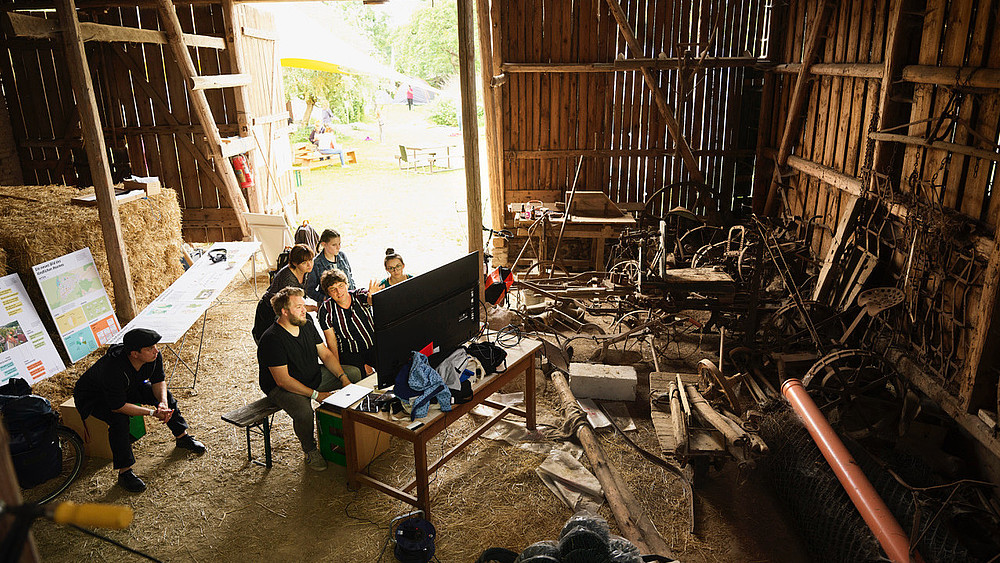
{"points": [[80, 307], [26, 351]]}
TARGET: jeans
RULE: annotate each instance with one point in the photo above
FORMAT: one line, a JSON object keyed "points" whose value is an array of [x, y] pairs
{"points": [[300, 408], [118, 423], [338, 152]]}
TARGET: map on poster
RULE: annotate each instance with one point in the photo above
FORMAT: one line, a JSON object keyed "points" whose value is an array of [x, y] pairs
{"points": [[75, 295], [174, 311], [26, 351]]}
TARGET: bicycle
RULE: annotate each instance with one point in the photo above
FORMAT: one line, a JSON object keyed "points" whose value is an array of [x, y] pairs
{"points": [[71, 450]]}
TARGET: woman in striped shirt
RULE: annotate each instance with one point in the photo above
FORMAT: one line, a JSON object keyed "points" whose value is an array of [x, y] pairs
{"points": [[346, 319]]}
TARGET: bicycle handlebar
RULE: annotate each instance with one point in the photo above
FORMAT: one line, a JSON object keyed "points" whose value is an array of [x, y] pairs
{"points": [[90, 515]]}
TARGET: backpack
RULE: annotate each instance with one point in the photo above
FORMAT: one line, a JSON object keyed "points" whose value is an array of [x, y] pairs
{"points": [[488, 354], [34, 444], [280, 263]]}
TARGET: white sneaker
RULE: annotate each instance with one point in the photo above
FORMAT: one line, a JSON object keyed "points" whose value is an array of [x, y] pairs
{"points": [[315, 460]]}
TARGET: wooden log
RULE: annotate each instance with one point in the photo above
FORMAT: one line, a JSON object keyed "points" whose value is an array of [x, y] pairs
{"points": [[230, 187], [490, 100], [631, 65], [677, 420], [470, 126], [792, 120], [93, 139], [633, 522], [851, 70], [41, 28], [970, 77], [976, 380], [219, 81], [709, 415], [940, 145], [661, 101]]}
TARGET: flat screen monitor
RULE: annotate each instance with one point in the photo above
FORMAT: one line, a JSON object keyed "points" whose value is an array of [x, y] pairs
{"points": [[439, 307]]}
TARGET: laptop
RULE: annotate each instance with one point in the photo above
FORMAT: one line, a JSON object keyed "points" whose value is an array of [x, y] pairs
{"points": [[347, 396]]}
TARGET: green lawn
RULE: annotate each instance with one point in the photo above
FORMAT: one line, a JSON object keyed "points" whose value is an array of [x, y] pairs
{"points": [[375, 205]]}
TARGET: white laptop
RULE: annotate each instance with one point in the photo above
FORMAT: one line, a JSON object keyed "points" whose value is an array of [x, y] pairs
{"points": [[347, 396]]}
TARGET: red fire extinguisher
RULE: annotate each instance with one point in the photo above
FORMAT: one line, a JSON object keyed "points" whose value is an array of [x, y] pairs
{"points": [[243, 170]]}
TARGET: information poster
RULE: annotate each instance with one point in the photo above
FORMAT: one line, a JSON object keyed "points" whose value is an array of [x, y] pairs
{"points": [[174, 311], [75, 295], [26, 351]]}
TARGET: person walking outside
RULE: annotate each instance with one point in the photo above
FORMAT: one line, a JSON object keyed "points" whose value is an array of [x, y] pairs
{"points": [[409, 97]]}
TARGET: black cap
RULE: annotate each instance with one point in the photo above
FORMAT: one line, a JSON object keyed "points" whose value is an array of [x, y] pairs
{"points": [[139, 338]]}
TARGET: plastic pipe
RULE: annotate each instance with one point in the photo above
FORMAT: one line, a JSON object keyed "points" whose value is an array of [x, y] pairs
{"points": [[876, 514]]}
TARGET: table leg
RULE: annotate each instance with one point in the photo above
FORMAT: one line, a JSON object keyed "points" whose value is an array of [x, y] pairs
{"points": [[423, 488], [529, 392], [351, 445]]}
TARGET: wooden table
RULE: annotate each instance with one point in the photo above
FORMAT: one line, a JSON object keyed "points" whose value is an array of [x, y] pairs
{"points": [[520, 360], [597, 229]]}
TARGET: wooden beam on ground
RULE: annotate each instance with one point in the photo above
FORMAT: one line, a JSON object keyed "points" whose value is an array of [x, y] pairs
{"points": [[798, 101], [633, 65], [661, 101], [97, 157], [219, 81], [633, 522], [470, 125], [490, 96], [230, 187], [41, 28]]}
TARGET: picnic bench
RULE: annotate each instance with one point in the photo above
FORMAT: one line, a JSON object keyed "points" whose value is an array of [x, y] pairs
{"points": [[306, 156], [257, 416], [415, 158]]}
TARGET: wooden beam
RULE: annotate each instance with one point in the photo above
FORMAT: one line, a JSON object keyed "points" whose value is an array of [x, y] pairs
{"points": [[232, 146], [230, 187], [493, 154], [798, 101], [93, 137], [941, 145], [661, 101], [244, 118], [470, 125], [851, 70], [41, 28], [265, 119], [983, 354], [972, 77], [632, 65], [219, 81], [606, 153], [258, 33]]}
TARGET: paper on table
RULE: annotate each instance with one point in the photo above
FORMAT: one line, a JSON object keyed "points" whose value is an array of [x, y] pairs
{"points": [[347, 396]]}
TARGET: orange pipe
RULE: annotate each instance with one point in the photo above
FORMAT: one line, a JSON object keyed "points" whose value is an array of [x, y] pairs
{"points": [[876, 514]]}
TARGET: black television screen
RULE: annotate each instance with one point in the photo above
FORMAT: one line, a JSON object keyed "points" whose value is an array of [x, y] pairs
{"points": [[439, 307]]}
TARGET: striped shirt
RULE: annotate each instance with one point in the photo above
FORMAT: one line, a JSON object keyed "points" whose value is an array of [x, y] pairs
{"points": [[353, 326]]}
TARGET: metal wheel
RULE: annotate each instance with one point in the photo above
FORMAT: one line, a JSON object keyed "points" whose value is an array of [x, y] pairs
{"points": [[71, 447], [786, 330], [720, 384], [859, 392], [625, 272]]}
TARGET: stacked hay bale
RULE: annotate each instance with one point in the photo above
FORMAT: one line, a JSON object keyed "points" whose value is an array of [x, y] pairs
{"points": [[3, 262], [41, 224]]}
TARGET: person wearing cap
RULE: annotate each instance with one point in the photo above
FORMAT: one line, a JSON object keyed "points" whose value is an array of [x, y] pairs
{"points": [[118, 386]]}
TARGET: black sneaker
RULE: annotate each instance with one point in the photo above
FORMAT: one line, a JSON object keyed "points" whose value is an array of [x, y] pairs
{"points": [[131, 482], [189, 443]]}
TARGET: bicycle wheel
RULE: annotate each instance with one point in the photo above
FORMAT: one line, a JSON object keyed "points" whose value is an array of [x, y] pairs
{"points": [[72, 462]]}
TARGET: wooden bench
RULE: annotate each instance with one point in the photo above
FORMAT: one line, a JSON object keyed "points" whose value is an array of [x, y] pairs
{"points": [[257, 415]]}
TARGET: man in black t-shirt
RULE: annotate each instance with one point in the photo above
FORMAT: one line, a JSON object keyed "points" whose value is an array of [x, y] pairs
{"points": [[129, 375], [288, 354]]}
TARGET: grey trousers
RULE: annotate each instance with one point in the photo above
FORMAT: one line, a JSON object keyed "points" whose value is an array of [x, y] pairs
{"points": [[300, 408]]}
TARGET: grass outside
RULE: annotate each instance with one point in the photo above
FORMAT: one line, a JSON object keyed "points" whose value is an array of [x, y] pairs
{"points": [[374, 205]]}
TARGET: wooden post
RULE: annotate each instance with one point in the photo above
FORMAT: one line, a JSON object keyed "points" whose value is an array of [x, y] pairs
{"points": [[490, 96], [234, 48], [798, 101], [982, 356], [633, 522], [93, 141], [470, 125], [230, 188], [661, 100]]}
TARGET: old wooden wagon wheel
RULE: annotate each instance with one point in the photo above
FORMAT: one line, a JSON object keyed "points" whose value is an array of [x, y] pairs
{"points": [[720, 384], [786, 329], [857, 390]]}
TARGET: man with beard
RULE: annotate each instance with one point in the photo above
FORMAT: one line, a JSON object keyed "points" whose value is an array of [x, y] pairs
{"points": [[289, 371]]}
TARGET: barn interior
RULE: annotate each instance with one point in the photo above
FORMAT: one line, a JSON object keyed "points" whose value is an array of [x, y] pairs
{"points": [[780, 216]]}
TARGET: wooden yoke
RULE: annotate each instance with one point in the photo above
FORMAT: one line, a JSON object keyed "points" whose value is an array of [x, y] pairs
{"points": [[230, 188], [661, 100]]}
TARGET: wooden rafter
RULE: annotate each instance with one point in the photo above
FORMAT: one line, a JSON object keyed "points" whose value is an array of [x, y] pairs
{"points": [[229, 188], [41, 28], [93, 141], [661, 101]]}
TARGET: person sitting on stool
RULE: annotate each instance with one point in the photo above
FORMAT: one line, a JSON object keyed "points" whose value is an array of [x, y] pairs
{"points": [[290, 374], [129, 375]]}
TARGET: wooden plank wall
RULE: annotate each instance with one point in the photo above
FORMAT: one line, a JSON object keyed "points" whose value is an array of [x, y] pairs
{"points": [[615, 112], [943, 198], [145, 111]]}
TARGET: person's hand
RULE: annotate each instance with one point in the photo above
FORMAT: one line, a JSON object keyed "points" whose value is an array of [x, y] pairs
{"points": [[323, 395], [372, 288], [311, 308], [166, 411]]}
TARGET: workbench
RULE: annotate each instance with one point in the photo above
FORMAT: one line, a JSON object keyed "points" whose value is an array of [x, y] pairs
{"points": [[520, 360]]}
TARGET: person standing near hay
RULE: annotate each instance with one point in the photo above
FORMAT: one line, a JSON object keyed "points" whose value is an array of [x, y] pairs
{"points": [[328, 256], [295, 274], [290, 374], [128, 376]]}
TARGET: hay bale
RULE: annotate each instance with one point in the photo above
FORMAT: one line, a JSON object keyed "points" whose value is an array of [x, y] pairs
{"points": [[3, 262], [41, 224]]}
